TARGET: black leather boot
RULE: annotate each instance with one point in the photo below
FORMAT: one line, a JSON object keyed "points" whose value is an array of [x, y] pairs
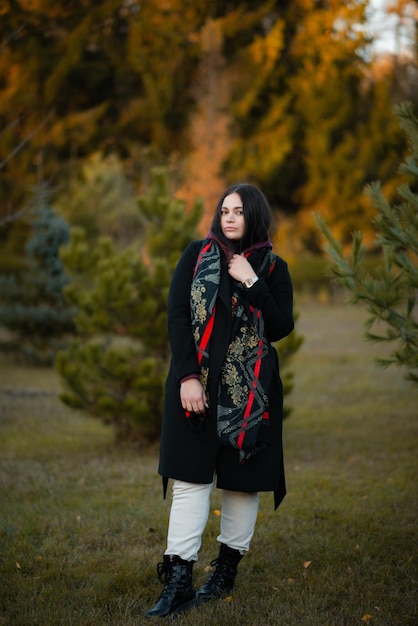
{"points": [[222, 580], [176, 574]]}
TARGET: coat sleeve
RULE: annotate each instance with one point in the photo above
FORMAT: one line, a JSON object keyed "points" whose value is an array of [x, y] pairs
{"points": [[274, 298], [183, 349]]}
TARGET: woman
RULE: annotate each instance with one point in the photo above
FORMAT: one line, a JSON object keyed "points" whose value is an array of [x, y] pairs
{"points": [[230, 297]]}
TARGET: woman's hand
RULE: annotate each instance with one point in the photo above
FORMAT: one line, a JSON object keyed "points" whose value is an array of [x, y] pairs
{"points": [[192, 396], [240, 269]]}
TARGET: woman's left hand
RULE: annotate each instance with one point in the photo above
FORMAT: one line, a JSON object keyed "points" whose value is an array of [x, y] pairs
{"points": [[240, 269]]}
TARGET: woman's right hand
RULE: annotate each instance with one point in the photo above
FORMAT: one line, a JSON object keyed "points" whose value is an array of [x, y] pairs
{"points": [[192, 396]]}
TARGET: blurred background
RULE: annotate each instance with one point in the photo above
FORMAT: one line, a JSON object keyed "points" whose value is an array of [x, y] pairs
{"points": [[295, 96], [121, 123]]}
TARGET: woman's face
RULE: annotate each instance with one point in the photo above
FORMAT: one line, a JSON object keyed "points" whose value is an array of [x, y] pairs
{"points": [[232, 217]]}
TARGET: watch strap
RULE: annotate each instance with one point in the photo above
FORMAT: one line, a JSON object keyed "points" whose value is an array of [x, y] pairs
{"points": [[249, 282]]}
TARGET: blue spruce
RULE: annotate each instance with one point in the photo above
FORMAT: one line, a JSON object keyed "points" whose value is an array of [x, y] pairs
{"points": [[32, 306]]}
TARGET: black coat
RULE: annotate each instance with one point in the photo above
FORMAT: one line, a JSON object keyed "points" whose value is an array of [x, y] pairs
{"points": [[196, 457]]}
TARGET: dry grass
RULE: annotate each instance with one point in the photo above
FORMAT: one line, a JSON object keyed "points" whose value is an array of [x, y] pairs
{"points": [[83, 524]]}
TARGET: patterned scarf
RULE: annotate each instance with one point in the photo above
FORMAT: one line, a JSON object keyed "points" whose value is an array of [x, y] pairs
{"points": [[242, 411]]}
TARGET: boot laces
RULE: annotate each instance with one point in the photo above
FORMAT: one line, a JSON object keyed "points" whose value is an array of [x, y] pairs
{"points": [[167, 574], [225, 571]]}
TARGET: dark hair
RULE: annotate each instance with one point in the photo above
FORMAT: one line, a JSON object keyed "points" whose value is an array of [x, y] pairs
{"points": [[257, 215]]}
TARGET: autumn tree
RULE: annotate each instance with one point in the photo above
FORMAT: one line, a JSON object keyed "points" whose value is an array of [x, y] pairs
{"points": [[349, 135], [313, 126], [111, 75], [390, 296]]}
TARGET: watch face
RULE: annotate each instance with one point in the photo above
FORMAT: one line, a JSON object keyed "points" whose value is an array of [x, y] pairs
{"points": [[248, 283]]}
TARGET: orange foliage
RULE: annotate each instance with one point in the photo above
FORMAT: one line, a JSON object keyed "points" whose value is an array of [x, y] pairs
{"points": [[209, 131]]}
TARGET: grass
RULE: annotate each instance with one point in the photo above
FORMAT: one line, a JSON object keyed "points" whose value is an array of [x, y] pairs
{"points": [[83, 524]]}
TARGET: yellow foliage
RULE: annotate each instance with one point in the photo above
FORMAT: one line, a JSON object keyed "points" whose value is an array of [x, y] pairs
{"points": [[79, 123], [266, 50]]}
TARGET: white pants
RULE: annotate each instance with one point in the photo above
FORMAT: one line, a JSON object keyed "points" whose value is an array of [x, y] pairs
{"points": [[189, 515]]}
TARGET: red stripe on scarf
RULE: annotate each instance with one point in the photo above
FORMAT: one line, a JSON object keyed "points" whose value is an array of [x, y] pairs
{"points": [[248, 408], [209, 327], [206, 335], [199, 258]]}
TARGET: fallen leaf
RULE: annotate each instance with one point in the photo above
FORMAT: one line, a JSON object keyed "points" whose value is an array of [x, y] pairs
{"points": [[291, 581], [307, 564], [217, 512], [18, 565], [208, 568], [366, 617], [229, 598]]}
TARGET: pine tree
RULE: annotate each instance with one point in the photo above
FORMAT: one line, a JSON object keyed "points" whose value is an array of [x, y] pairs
{"points": [[115, 369], [100, 198], [391, 295], [32, 306]]}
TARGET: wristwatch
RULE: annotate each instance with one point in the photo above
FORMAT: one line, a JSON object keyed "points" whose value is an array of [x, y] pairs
{"points": [[249, 282]]}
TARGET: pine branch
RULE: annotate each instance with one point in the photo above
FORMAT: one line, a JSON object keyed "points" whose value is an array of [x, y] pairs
{"points": [[390, 296]]}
